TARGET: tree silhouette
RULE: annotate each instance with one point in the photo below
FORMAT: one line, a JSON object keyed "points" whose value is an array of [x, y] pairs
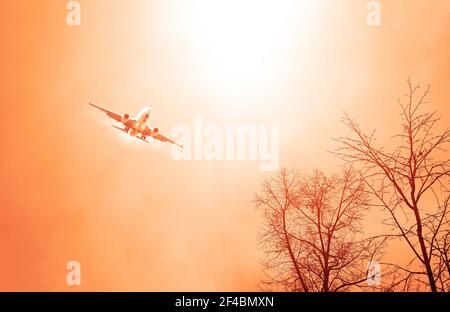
{"points": [[410, 183], [312, 233]]}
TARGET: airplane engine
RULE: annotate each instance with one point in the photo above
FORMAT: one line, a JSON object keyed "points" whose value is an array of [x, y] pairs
{"points": [[132, 132], [125, 118], [155, 131]]}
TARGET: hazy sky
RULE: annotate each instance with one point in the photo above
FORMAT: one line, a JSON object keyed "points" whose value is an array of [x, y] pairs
{"points": [[73, 188]]}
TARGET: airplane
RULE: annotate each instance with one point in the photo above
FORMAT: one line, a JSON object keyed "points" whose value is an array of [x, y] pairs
{"points": [[137, 127]]}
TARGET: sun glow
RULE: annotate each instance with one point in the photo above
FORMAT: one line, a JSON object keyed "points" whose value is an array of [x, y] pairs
{"points": [[246, 42], [242, 38]]}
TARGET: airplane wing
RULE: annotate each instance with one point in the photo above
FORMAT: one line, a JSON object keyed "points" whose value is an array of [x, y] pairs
{"points": [[115, 116], [164, 139], [157, 136], [121, 129]]}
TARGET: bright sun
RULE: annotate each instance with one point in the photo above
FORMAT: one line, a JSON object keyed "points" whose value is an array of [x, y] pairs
{"points": [[244, 39], [241, 37], [241, 52]]}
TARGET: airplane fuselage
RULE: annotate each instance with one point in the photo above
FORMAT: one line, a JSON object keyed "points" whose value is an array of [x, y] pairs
{"points": [[141, 122]]}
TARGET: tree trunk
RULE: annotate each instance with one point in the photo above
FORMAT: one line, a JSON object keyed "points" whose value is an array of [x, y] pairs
{"points": [[291, 255], [326, 281], [423, 248]]}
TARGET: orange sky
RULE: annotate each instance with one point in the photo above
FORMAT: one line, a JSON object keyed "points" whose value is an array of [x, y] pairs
{"points": [[75, 189]]}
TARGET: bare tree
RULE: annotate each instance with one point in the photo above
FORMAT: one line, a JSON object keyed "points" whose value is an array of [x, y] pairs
{"points": [[411, 183], [312, 236]]}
